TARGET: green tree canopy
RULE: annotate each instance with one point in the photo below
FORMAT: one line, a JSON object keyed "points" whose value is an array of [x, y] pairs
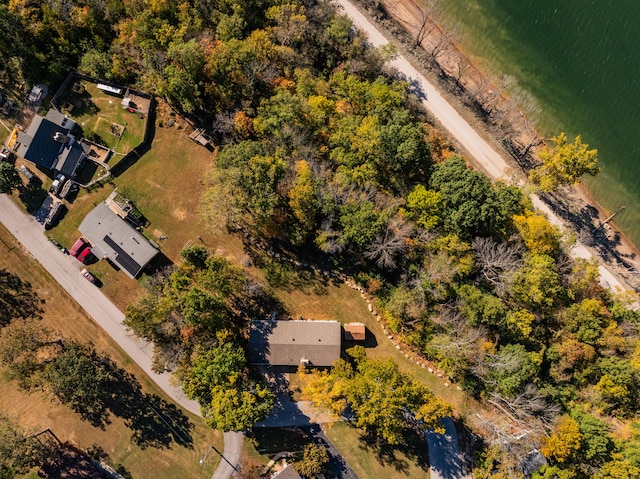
{"points": [[9, 178]]}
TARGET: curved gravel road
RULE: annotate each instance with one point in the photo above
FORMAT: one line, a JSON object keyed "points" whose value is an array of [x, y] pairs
{"points": [[484, 154]]}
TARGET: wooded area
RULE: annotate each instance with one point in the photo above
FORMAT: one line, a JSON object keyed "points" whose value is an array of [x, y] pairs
{"points": [[325, 157]]}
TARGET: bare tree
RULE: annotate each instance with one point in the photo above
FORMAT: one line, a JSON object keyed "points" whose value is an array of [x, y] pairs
{"points": [[426, 23], [497, 261], [388, 245]]}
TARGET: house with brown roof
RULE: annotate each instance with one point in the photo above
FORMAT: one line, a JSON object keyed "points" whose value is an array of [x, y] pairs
{"points": [[294, 343]]}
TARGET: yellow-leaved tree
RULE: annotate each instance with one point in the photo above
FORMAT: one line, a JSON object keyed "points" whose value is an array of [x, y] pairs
{"points": [[564, 164], [564, 441]]}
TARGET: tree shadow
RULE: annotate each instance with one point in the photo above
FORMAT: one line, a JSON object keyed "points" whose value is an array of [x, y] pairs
{"points": [[32, 196], [414, 447], [17, 299], [153, 421]]}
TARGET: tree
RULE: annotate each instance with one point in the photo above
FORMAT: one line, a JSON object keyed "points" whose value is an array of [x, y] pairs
{"points": [[229, 399], [237, 406], [537, 233], [564, 442], [537, 284], [17, 299], [314, 460], [80, 379], [425, 207], [472, 206], [195, 255], [18, 452], [9, 178], [564, 164], [384, 400]]}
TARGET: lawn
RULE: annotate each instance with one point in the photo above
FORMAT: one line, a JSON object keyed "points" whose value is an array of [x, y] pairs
{"points": [[161, 457], [368, 460], [101, 116]]}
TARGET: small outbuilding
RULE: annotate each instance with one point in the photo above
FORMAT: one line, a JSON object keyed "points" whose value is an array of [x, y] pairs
{"points": [[115, 239], [355, 332], [294, 343]]}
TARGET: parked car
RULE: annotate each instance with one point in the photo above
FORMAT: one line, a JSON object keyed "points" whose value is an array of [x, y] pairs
{"points": [[78, 246], [84, 254], [91, 278], [56, 210], [57, 184]]}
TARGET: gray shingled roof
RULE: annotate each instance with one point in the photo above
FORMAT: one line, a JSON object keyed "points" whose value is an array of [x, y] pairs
{"points": [[286, 343], [38, 146], [119, 241]]}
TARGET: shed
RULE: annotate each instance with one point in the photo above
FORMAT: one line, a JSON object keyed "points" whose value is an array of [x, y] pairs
{"points": [[117, 240], [292, 343], [355, 332]]}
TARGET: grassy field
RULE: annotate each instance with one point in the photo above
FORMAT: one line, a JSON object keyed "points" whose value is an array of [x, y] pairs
{"points": [[100, 112], [161, 457], [367, 460]]}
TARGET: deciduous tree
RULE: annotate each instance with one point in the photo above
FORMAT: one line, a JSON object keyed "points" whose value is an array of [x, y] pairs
{"points": [[564, 164]]}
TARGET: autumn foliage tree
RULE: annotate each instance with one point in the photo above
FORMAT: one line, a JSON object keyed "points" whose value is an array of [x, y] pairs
{"points": [[564, 164]]}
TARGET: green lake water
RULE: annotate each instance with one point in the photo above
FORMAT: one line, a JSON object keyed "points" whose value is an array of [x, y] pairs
{"points": [[581, 60]]}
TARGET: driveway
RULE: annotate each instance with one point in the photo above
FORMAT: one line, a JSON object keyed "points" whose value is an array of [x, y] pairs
{"points": [[445, 458]]}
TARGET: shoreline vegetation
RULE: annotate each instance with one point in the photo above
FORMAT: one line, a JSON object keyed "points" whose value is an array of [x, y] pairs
{"points": [[506, 116], [325, 161]]}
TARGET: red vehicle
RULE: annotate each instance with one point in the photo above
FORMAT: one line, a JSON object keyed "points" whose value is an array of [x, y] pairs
{"points": [[78, 246], [82, 256]]}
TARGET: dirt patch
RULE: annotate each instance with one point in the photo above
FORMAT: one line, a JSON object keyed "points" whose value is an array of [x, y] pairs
{"points": [[179, 214]]}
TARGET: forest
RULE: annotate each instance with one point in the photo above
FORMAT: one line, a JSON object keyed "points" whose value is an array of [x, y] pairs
{"points": [[325, 157]]}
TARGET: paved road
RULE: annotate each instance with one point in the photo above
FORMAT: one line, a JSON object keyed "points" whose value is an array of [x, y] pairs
{"points": [[66, 271], [232, 451], [445, 458]]}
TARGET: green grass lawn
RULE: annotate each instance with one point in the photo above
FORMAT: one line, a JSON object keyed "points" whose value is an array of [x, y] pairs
{"points": [[99, 112], [368, 460]]}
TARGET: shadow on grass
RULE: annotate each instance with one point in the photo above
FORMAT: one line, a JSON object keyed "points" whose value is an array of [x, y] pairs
{"points": [[414, 449], [153, 421], [32, 196]]}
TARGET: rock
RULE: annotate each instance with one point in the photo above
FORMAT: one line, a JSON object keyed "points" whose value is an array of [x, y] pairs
{"points": [[423, 365], [397, 346], [430, 370], [370, 306], [439, 375], [446, 385], [390, 337]]}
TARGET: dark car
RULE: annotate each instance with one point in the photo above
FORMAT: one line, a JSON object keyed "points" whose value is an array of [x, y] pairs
{"points": [[84, 254]]}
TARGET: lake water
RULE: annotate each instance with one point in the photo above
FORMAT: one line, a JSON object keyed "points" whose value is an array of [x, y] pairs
{"points": [[581, 60]]}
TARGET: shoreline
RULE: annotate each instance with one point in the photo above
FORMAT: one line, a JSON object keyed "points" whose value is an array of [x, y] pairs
{"points": [[575, 206]]}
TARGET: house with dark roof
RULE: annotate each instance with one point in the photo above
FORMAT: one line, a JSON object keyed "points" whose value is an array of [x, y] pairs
{"points": [[115, 239], [50, 145], [294, 343]]}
